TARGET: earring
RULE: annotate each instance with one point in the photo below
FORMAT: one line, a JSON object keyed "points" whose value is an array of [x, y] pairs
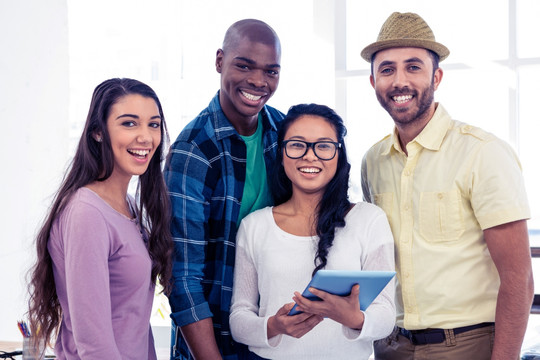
{"points": [[98, 138]]}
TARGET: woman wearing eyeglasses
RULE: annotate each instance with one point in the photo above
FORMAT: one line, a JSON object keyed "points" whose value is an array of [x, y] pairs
{"points": [[313, 226]]}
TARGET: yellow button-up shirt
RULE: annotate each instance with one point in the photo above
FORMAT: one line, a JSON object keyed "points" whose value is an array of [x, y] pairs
{"points": [[456, 181]]}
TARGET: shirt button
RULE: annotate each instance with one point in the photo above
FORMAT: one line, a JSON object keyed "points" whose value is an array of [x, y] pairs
{"points": [[440, 196]]}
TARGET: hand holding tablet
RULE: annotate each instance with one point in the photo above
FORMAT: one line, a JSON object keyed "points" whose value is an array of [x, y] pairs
{"points": [[340, 282]]}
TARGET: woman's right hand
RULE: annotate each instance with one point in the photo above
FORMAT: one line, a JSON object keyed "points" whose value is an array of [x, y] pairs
{"points": [[295, 325]]}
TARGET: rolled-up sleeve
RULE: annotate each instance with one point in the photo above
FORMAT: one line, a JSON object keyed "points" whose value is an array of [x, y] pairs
{"points": [[185, 173]]}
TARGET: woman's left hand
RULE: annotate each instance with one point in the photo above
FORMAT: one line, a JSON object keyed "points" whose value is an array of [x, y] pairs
{"points": [[343, 309]]}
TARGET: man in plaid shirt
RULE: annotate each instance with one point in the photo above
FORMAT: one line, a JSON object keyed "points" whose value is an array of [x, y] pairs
{"points": [[217, 173]]}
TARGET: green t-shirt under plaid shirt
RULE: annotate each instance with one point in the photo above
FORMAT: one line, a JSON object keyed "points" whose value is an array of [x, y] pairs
{"points": [[256, 193], [205, 174]]}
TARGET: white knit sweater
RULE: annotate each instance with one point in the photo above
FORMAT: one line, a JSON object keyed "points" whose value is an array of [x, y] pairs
{"points": [[271, 264]]}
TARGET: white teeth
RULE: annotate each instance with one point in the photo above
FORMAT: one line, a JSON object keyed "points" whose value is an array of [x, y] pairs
{"points": [[310, 170], [402, 98], [250, 96], [140, 152]]}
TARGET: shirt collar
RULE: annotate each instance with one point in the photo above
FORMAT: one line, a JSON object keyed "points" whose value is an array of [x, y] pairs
{"points": [[223, 127], [431, 137]]}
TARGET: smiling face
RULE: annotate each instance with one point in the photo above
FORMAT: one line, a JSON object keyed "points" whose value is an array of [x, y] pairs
{"points": [[405, 83], [134, 128], [249, 77], [309, 174]]}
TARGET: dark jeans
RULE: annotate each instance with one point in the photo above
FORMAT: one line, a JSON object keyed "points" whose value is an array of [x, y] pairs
{"points": [[245, 354]]}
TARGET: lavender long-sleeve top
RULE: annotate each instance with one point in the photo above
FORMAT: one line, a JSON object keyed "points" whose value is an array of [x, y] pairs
{"points": [[102, 274]]}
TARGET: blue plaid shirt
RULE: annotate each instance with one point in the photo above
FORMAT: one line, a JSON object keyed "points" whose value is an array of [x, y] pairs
{"points": [[205, 174]]}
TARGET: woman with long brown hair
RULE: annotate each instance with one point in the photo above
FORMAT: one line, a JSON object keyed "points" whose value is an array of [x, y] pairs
{"points": [[100, 251]]}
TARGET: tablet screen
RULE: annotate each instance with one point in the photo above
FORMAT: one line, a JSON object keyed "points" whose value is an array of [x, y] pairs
{"points": [[340, 282]]}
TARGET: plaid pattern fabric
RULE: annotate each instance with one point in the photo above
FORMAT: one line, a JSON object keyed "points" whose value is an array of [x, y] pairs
{"points": [[205, 174]]}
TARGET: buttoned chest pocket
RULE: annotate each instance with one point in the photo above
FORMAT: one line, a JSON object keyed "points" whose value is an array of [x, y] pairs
{"points": [[441, 216]]}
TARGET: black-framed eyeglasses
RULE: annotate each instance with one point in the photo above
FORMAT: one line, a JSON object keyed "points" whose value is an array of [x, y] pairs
{"points": [[324, 150]]}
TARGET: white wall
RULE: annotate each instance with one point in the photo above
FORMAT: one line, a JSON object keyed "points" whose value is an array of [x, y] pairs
{"points": [[47, 74], [34, 95]]}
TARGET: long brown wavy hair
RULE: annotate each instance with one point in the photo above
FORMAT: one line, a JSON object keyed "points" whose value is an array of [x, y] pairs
{"points": [[94, 161]]}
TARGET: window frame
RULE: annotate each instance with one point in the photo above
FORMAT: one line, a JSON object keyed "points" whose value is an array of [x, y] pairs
{"points": [[512, 62]]}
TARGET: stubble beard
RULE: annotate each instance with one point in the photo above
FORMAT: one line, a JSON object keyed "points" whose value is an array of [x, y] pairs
{"points": [[400, 115]]}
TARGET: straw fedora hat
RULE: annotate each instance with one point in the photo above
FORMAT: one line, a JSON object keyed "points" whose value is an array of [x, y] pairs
{"points": [[405, 30]]}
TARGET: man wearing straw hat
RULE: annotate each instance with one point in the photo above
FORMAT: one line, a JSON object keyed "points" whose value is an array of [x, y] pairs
{"points": [[455, 199]]}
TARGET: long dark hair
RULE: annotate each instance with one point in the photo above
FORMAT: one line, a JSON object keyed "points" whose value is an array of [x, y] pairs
{"points": [[334, 203], [94, 161]]}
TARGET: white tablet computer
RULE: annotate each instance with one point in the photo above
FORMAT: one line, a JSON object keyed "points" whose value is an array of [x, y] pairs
{"points": [[340, 282]]}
